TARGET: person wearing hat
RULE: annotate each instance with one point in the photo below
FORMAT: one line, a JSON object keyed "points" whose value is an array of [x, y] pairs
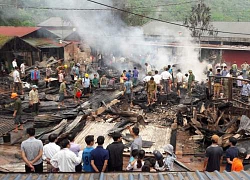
{"points": [[86, 85], [115, 149], [213, 155], [35, 76], [34, 100], [17, 112], [99, 156], [168, 161], [191, 79]]}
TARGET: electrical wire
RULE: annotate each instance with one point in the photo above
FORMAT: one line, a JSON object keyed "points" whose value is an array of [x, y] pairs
{"points": [[168, 22]]}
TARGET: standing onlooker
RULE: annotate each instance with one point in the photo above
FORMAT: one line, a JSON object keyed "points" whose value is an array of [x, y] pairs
{"points": [[191, 79], [151, 89], [231, 153], [148, 68], [103, 81], [217, 84], [213, 156], [32, 151], [135, 76], [48, 75], [179, 79], [49, 150], [14, 64], [157, 79], [60, 77], [245, 91], [244, 67], [65, 159], [122, 78], [147, 78], [86, 154], [166, 77], [75, 148], [239, 82], [99, 156], [237, 164], [17, 81], [95, 82], [116, 149], [137, 142], [226, 80], [77, 90], [224, 72], [170, 70], [17, 112], [234, 68], [62, 93], [35, 76], [86, 85], [34, 100], [128, 75], [22, 68], [128, 91]]}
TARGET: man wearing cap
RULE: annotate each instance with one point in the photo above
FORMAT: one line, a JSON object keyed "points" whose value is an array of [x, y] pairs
{"points": [[17, 112], [213, 156], [34, 100], [191, 79], [99, 156], [86, 84], [35, 76], [115, 149]]}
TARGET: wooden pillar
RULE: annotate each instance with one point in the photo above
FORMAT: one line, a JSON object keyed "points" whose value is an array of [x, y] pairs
{"points": [[230, 89]]}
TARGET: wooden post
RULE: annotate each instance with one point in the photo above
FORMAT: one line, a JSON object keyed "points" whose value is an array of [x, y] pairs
{"points": [[210, 85], [230, 89]]}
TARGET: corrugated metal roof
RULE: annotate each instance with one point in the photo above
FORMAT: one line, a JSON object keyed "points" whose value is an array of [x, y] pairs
{"points": [[45, 43], [17, 31], [55, 22], [243, 175]]}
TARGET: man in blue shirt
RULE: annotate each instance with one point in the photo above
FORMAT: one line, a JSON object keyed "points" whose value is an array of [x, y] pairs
{"points": [[99, 156], [35, 76], [231, 153], [245, 91], [128, 91], [135, 76], [86, 154], [128, 75]]}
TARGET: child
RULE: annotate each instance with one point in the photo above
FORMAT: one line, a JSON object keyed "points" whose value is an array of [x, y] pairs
{"points": [[132, 159], [237, 164], [169, 159]]}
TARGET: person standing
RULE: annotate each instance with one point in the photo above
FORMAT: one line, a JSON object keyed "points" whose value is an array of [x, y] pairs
{"points": [[115, 150], [231, 153], [128, 91], [224, 72], [237, 164], [86, 85], [17, 81], [22, 68], [99, 156], [135, 76], [213, 156], [49, 150], [122, 78], [151, 90], [17, 112], [86, 154], [234, 68], [245, 67], [137, 142], [65, 159], [217, 84], [32, 151], [60, 77], [34, 100], [14, 64], [48, 75], [62, 93], [179, 82], [128, 75], [75, 148], [239, 82], [166, 77], [103, 81], [35, 76], [191, 79], [148, 68], [245, 91], [157, 79], [95, 82]]}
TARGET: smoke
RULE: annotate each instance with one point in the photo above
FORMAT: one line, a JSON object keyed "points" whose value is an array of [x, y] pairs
{"points": [[106, 32]]}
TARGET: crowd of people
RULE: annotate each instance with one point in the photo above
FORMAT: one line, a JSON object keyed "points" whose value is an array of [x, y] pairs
{"points": [[64, 155]]}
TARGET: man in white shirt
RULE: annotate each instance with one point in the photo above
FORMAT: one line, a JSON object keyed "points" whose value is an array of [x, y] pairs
{"points": [[239, 82], [179, 81], [22, 68], [49, 150], [65, 159], [14, 63], [148, 68], [166, 77], [17, 81], [157, 78], [147, 78]]}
